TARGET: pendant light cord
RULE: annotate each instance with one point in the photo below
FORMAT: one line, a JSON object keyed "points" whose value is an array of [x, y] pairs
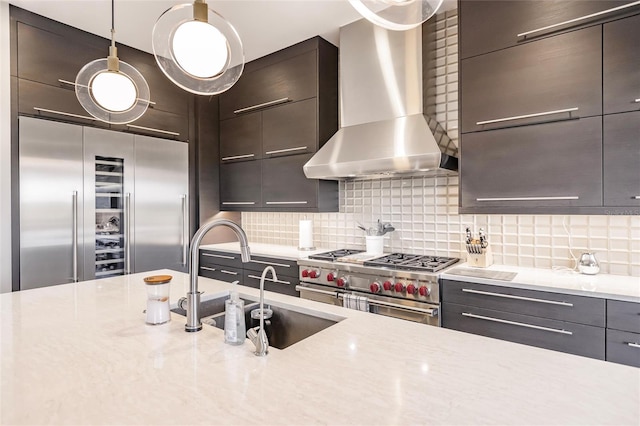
{"points": [[113, 23]]}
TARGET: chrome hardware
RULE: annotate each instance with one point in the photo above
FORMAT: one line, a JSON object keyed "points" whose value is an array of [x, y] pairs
{"points": [[519, 117], [519, 324], [271, 263], [74, 234], [185, 230], [315, 290], [633, 345], [238, 203], [569, 197], [279, 151], [224, 271], [237, 157], [581, 18], [637, 100], [286, 202], [259, 337], [263, 105], [208, 269], [273, 280], [66, 114], [219, 256], [431, 312], [151, 129], [636, 197], [127, 235], [509, 296], [193, 296]]}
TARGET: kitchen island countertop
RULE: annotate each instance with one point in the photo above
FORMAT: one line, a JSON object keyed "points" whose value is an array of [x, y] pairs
{"points": [[82, 354]]}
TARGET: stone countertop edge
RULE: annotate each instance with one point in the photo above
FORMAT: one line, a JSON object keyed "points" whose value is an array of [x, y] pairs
{"points": [[82, 354]]}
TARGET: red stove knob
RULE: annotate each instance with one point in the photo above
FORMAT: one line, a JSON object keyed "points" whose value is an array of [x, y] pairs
{"points": [[424, 291], [330, 276], [399, 287], [411, 289], [313, 274], [387, 285], [342, 282], [305, 273], [374, 287]]}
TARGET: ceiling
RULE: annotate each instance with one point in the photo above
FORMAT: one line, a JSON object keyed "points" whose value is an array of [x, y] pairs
{"points": [[265, 26]]}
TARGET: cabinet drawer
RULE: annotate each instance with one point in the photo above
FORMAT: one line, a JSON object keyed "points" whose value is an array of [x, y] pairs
{"points": [[621, 158], [621, 67], [486, 26], [623, 347], [543, 165], [290, 129], [282, 266], [221, 273], [284, 285], [578, 339], [289, 80], [240, 185], [556, 306], [284, 184], [220, 258], [241, 138], [534, 82], [623, 316]]}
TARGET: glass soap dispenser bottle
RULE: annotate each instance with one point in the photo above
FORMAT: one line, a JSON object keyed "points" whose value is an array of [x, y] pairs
{"points": [[234, 324]]}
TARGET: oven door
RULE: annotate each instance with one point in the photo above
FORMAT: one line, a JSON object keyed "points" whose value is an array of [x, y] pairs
{"points": [[410, 310], [319, 293]]}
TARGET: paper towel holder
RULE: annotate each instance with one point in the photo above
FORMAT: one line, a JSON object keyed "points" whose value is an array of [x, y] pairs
{"points": [[305, 235]]}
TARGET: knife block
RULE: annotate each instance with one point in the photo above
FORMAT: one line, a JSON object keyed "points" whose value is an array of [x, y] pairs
{"points": [[480, 260]]}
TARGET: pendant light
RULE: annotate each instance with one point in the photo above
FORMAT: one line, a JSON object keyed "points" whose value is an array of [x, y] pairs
{"points": [[197, 49], [111, 90], [398, 15]]}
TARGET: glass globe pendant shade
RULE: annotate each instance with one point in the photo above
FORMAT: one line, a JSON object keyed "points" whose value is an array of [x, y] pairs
{"points": [[397, 15], [197, 49]]}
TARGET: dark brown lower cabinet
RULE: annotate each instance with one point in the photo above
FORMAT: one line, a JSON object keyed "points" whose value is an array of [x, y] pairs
{"points": [[623, 332], [622, 160]]}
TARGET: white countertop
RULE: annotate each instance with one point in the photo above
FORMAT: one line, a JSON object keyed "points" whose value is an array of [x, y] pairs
{"points": [[261, 249], [82, 354]]}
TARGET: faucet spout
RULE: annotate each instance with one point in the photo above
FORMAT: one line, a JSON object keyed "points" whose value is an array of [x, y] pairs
{"points": [[259, 337], [193, 296]]}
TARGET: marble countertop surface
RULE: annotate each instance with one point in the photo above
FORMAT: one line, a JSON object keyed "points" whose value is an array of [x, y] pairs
{"points": [[262, 249], [82, 354]]}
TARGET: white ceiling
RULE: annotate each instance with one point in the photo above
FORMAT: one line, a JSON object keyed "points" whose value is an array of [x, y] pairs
{"points": [[265, 26]]}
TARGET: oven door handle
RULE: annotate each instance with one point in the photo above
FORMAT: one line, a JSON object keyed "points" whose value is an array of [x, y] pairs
{"points": [[433, 312], [315, 290]]}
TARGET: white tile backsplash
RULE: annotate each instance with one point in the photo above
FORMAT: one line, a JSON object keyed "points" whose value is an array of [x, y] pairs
{"points": [[424, 211]]}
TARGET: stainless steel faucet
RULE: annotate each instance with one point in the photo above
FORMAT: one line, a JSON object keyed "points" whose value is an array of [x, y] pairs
{"points": [[259, 337], [193, 296]]}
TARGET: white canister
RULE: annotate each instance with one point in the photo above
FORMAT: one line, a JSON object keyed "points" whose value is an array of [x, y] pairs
{"points": [[158, 299], [375, 244], [305, 235]]}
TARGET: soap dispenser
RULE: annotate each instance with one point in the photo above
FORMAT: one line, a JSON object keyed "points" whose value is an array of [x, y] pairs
{"points": [[234, 325]]}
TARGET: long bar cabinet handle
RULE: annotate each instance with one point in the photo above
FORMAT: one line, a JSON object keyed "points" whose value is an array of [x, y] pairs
{"points": [[282, 265], [74, 234], [237, 157], [66, 114], [633, 345], [238, 203], [127, 233], [224, 271], [280, 151], [510, 296], [285, 202], [637, 100], [520, 117], [185, 229], [218, 255], [269, 279], [315, 290], [206, 268], [581, 18], [153, 129], [636, 197], [262, 105], [568, 197], [519, 324]]}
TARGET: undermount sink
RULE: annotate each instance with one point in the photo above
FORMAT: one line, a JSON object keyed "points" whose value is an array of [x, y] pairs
{"points": [[283, 329]]}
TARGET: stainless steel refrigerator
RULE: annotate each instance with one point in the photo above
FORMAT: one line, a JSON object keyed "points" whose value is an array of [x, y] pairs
{"points": [[98, 203]]}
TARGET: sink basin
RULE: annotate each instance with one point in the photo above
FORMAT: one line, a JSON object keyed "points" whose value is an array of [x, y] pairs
{"points": [[283, 329]]}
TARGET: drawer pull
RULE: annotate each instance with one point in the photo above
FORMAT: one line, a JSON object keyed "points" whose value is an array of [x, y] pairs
{"points": [[238, 203], [636, 197], [270, 279], [228, 272], [286, 202], [568, 197], [208, 269], [66, 114], [519, 324], [633, 345], [509, 296], [637, 100], [151, 129], [263, 105], [219, 256], [237, 157], [581, 18], [279, 151], [271, 263], [519, 117]]}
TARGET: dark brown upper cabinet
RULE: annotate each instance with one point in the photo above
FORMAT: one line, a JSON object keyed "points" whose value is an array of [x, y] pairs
{"points": [[241, 138], [557, 78], [487, 26], [621, 65], [290, 129], [622, 160]]}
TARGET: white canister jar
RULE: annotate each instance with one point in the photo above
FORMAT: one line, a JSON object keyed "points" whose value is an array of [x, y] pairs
{"points": [[158, 299], [375, 244]]}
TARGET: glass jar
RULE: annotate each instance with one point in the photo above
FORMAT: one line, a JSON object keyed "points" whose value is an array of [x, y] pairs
{"points": [[158, 299]]}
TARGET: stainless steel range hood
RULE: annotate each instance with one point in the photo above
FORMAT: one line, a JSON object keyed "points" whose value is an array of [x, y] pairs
{"points": [[384, 131]]}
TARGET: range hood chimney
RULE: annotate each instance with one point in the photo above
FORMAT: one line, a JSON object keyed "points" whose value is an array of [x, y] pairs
{"points": [[384, 131]]}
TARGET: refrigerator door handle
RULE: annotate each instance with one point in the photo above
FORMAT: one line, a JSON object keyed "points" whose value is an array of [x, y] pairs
{"points": [[127, 233], [74, 234], [185, 230]]}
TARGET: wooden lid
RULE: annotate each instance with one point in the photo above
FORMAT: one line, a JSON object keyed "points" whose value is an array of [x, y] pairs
{"points": [[158, 279]]}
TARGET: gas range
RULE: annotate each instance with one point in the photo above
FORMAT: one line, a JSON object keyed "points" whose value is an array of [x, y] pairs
{"points": [[397, 284]]}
